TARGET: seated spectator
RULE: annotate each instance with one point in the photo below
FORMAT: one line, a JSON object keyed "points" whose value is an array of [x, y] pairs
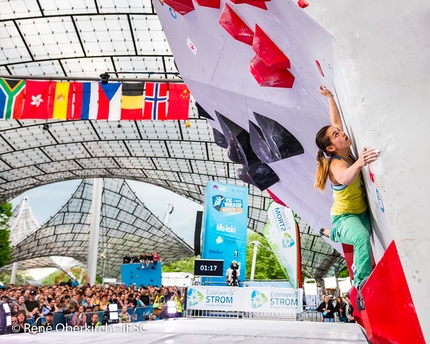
{"points": [[22, 306], [14, 310], [138, 302], [327, 309], [22, 322], [79, 318], [49, 322], [144, 296], [31, 303], [148, 259], [104, 303], [95, 320], [142, 260], [52, 305], [124, 316], [121, 300], [113, 299], [14, 322], [155, 259], [134, 259]]}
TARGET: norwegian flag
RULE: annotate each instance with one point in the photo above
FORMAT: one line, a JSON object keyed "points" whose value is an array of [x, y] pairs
{"points": [[155, 101]]}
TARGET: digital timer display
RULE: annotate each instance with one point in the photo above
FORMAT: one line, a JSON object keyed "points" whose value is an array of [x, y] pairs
{"points": [[208, 267]]}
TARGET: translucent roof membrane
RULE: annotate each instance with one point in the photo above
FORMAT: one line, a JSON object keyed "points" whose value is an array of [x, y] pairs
{"points": [[84, 38], [125, 225]]}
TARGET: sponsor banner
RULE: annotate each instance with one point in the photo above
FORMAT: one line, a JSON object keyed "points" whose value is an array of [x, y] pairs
{"points": [[283, 239], [274, 300], [225, 224]]}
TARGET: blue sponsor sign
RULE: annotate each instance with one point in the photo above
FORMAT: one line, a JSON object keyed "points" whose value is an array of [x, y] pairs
{"points": [[225, 224]]}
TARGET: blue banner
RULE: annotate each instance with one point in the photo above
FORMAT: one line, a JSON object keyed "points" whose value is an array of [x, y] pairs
{"points": [[225, 226]]}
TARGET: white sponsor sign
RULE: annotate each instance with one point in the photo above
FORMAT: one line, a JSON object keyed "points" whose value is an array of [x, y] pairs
{"points": [[274, 300]]}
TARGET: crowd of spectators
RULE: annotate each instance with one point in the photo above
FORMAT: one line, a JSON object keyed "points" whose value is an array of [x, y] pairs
{"points": [[145, 259], [83, 304]]}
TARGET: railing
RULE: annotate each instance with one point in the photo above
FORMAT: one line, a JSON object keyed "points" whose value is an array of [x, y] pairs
{"points": [[198, 313], [136, 314], [311, 315]]}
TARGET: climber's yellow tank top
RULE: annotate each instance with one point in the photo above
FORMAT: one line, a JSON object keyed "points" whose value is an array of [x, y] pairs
{"points": [[348, 198]]}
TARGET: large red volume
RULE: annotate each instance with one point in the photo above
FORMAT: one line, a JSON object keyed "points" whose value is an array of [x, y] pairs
{"points": [[181, 6], [270, 76], [387, 291], [209, 3], [235, 26], [268, 51]]}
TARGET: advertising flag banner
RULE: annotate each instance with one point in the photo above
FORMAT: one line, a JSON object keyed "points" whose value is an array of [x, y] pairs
{"points": [[284, 240], [225, 226]]}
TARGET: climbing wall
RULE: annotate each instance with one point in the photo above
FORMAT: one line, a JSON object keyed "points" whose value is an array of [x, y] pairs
{"points": [[254, 68]]}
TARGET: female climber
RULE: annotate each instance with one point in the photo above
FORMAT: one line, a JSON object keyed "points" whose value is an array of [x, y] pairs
{"points": [[349, 213]]}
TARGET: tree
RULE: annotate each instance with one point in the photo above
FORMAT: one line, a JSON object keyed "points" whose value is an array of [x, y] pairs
{"points": [[5, 249], [343, 272], [267, 265], [60, 276], [184, 265], [21, 277]]}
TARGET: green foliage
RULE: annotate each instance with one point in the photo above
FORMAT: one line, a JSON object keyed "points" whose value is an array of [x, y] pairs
{"points": [[21, 278], [59, 276], [5, 249], [344, 272], [267, 266], [184, 265]]}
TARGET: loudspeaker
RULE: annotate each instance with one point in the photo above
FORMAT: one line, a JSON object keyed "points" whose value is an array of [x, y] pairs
{"points": [[197, 232]]}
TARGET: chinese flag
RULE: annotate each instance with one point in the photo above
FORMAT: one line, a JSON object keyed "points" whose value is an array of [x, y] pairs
{"points": [[179, 101], [39, 99]]}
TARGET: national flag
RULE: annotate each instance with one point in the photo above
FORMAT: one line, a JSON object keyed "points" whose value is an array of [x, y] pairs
{"points": [[155, 106], [85, 99], [179, 101], [109, 101], [63, 101], [132, 101], [39, 99], [11, 98]]}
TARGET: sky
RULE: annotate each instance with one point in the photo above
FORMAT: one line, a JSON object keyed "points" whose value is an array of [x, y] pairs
{"points": [[46, 200]]}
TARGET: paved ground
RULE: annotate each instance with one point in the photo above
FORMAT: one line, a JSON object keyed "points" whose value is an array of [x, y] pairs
{"points": [[203, 331]]}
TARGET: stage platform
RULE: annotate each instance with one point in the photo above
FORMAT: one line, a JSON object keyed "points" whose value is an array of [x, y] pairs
{"points": [[203, 331]]}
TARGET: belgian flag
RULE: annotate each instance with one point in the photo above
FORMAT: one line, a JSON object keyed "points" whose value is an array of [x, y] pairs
{"points": [[132, 101]]}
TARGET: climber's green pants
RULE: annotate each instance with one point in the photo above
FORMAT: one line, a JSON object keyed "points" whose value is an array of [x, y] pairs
{"points": [[354, 229]]}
